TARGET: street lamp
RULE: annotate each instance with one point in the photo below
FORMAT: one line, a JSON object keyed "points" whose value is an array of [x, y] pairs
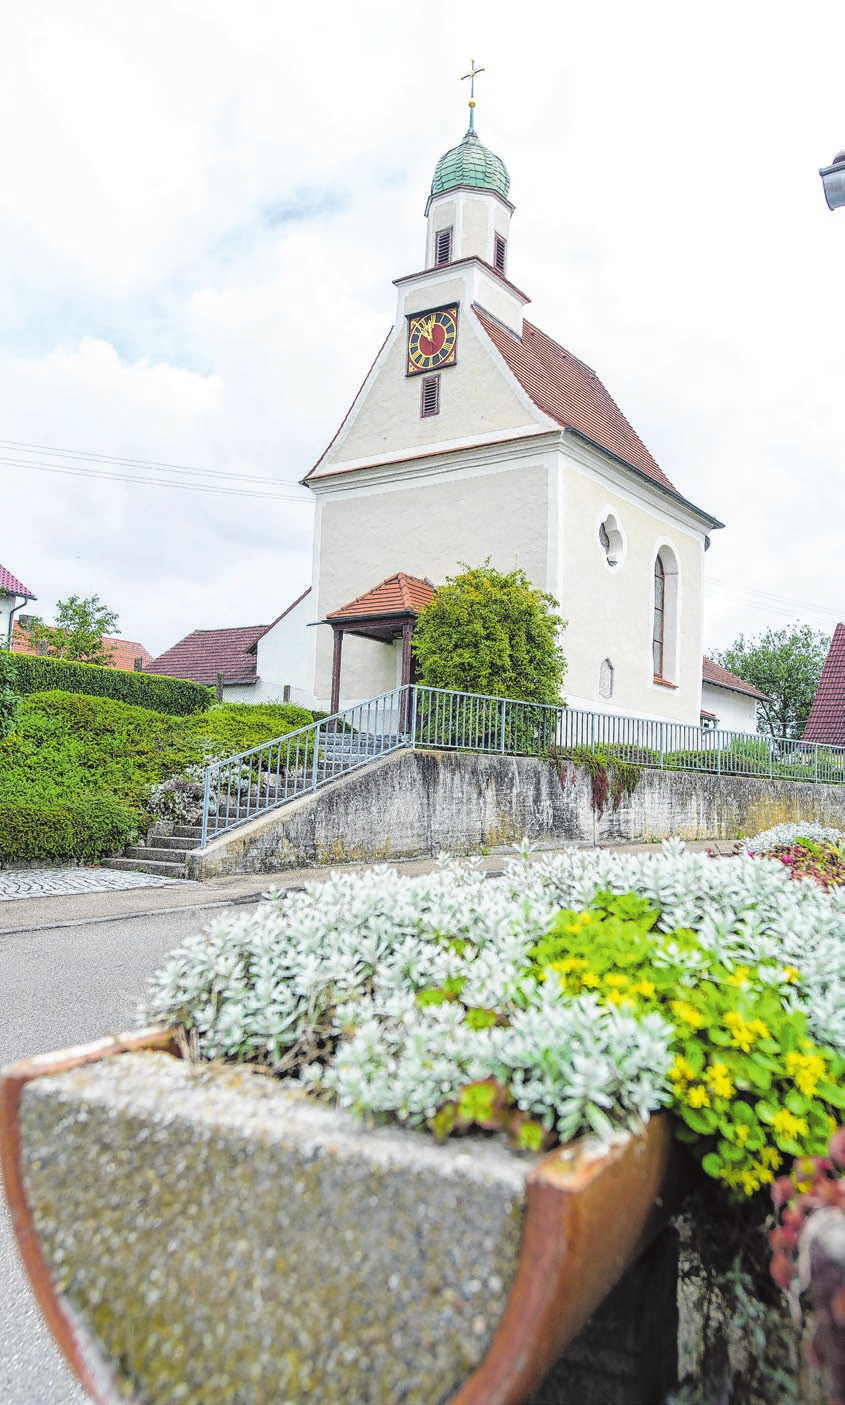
{"points": [[833, 180]]}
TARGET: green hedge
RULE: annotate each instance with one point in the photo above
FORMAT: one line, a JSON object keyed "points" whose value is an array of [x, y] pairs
{"points": [[88, 827], [151, 690]]}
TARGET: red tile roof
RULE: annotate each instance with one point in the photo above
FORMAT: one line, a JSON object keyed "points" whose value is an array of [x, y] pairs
{"points": [[826, 723], [204, 653], [714, 673], [395, 595], [570, 392], [10, 585], [124, 651]]}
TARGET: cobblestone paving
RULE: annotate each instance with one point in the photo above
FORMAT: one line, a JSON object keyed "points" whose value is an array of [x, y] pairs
{"points": [[57, 882]]}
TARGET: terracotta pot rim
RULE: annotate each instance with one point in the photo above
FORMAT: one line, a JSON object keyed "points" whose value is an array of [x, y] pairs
{"points": [[576, 1242]]}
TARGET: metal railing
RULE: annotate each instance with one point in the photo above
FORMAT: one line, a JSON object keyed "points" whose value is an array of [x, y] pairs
{"points": [[243, 786], [267, 776]]}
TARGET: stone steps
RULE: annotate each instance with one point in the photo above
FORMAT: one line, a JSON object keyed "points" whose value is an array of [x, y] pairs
{"points": [[164, 868], [163, 854]]}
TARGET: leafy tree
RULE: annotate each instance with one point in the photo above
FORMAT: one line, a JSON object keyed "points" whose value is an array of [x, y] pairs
{"points": [[491, 633], [10, 699], [79, 631], [786, 665]]}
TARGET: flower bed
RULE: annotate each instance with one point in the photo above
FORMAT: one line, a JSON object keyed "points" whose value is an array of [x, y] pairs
{"points": [[576, 995]]}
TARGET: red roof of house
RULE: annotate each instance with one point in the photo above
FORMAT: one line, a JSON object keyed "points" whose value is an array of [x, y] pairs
{"points": [[714, 673], [395, 595], [124, 651], [204, 653], [826, 723], [570, 392], [10, 585]]}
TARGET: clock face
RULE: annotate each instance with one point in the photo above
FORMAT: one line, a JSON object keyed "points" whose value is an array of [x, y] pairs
{"points": [[432, 340]]}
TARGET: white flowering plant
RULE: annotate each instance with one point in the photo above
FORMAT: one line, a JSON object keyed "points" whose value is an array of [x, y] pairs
{"points": [[575, 995]]}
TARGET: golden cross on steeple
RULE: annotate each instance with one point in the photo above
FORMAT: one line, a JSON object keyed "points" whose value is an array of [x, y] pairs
{"points": [[472, 75]]}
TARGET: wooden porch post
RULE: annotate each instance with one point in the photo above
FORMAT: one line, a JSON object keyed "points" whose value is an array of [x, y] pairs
{"points": [[338, 648], [407, 631]]}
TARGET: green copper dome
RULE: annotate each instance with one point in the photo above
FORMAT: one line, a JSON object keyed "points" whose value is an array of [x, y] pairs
{"points": [[471, 164]]}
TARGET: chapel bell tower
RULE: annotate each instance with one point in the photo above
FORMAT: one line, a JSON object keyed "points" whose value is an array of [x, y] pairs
{"points": [[468, 210]]}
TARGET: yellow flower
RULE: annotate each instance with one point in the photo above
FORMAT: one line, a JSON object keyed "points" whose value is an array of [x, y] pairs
{"points": [[616, 978], [698, 1097], [743, 1034], [760, 1029], [590, 979], [681, 1070], [788, 1126], [740, 976], [791, 974], [806, 1070], [719, 1080], [741, 1132], [644, 988], [687, 1014], [616, 997], [770, 1157]]}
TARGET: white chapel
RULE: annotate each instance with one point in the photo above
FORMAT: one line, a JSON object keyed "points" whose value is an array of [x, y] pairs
{"points": [[476, 435]]}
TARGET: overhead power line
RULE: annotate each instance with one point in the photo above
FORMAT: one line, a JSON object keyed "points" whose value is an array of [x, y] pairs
{"points": [[767, 600], [45, 458]]}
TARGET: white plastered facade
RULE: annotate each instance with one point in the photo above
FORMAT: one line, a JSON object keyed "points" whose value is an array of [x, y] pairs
{"points": [[735, 711], [492, 476]]}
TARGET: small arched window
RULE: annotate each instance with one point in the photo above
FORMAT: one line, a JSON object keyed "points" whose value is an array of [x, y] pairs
{"points": [[606, 679]]}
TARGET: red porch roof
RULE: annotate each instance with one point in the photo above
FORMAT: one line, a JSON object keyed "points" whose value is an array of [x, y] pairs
{"points": [[395, 595]]}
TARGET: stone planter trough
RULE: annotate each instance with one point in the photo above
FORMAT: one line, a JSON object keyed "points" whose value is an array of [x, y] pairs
{"points": [[202, 1234]]}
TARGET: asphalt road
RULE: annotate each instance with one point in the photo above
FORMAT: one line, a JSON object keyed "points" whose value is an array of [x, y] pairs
{"points": [[59, 987]]}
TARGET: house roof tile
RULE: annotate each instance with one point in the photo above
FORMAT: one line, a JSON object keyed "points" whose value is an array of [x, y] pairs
{"points": [[399, 594], [10, 585], [124, 651], [204, 653], [571, 393], [720, 677], [826, 723]]}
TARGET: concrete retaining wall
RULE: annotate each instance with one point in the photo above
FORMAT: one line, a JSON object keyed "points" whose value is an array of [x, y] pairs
{"points": [[425, 802]]}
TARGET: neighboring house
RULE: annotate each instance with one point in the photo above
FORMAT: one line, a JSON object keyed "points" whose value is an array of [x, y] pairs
{"points": [[126, 653], [826, 722], [476, 435], [728, 702], [13, 596], [256, 663]]}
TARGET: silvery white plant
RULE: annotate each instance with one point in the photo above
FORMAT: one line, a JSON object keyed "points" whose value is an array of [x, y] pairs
{"points": [[325, 981], [769, 839]]}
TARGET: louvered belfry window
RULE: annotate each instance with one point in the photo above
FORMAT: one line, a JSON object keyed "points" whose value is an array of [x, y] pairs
{"points": [[430, 396], [443, 247], [499, 254]]}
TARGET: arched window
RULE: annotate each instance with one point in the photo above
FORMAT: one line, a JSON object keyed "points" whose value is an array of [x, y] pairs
{"points": [[658, 633], [664, 630]]}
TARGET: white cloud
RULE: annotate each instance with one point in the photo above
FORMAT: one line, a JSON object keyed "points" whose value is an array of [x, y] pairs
{"points": [[200, 201]]}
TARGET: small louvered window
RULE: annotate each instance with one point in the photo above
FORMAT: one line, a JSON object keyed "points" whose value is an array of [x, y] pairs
{"points": [[430, 396], [443, 247], [501, 249]]}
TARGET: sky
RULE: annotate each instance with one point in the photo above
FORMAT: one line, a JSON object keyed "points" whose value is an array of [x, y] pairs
{"points": [[203, 206]]}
